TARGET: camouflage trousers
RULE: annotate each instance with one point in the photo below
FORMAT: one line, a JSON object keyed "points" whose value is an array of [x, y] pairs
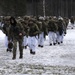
{"points": [[20, 41], [41, 39]]}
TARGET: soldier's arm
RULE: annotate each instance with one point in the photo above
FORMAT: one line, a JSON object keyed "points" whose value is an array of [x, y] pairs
{"points": [[21, 29], [37, 30], [10, 33]]}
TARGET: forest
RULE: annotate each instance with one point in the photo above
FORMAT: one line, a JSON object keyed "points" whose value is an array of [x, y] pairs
{"points": [[64, 8]]}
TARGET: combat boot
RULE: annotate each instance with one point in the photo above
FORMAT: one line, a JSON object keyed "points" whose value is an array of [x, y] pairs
{"points": [[50, 44], [25, 47], [14, 58], [21, 56], [7, 50], [54, 43], [59, 43], [39, 45], [31, 52]]}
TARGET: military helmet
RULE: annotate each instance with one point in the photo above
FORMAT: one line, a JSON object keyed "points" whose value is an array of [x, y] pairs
{"points": [[41, 18], [26, 17], [6, 18]]}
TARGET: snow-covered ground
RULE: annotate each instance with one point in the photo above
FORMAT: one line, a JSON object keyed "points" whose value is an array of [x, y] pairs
{"points": [[50, 60], [2, 36]]}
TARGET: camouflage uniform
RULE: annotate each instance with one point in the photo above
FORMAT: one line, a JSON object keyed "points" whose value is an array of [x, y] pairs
{"points": [[5, 30], [65, 23], [72, 22], [33, 31], [26, 29], [16, 32], [52, 29], [60, 32], [42, 35], [66, 20]]}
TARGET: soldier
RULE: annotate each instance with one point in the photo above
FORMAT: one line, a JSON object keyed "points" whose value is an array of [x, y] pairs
{"points": [[66, 20], [52, 29], [5, 30], [43, 29], [16, 32], [65, 24], [26, 29], [33, 31], [72, 22], [60, 32]]}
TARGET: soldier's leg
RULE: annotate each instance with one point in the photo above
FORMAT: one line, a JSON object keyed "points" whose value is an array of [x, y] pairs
{"points": [[6, 43], [14, 48], [50, 38], [61, 38], [29, 42], [21, 48], [42, 39], [10, 46], [25, 41], [54, 38], [58, 38], [39, 41], [33, 45], [72, 26]]}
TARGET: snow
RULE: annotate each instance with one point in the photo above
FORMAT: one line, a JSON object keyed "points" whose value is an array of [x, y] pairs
{"points": [[1, 35], [50, 60]]}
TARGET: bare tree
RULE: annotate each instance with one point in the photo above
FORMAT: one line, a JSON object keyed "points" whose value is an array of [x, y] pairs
{"points": [[44, 14]]}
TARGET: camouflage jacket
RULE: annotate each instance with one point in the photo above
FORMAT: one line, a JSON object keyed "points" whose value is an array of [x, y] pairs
{"points": [[33, 29], [14, 31], [52, 26], [26, 28], [5, 29], [61, 26]]}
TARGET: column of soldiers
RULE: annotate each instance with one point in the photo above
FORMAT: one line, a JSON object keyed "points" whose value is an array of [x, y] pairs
{"points": [[28, 30]]}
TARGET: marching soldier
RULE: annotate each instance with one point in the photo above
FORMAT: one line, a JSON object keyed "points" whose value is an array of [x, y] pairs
{"points": [[26, 29], [72, 22], [16, 32], [5, 30], [61, 29], [52, 29], [33, 31], [66, 20], [43, 29]]}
